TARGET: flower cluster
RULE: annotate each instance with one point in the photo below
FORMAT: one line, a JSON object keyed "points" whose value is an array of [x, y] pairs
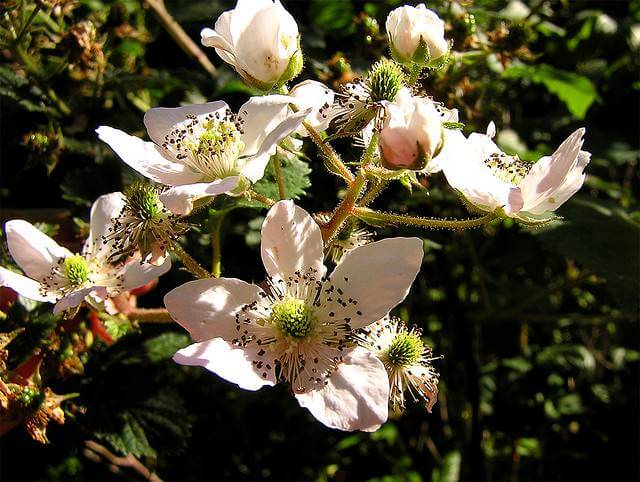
{"points": [[324, 331]]}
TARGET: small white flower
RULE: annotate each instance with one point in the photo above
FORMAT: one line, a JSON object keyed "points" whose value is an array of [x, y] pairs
{"points": [[495, 182], [412, 29], [316, 96], [411, 134], [405, 357], [204, 150], [298, 330], [260, 39], [56, 275]]}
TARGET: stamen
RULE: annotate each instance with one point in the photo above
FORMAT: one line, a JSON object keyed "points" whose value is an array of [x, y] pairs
{"points": [[507, 168]]}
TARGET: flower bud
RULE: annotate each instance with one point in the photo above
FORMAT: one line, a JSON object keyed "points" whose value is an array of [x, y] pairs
{"points": [[416, 35], [260, 39], [411, 134]]}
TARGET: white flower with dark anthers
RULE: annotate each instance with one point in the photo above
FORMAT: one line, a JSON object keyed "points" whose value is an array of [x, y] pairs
{"points": [[316, 96], [361, 101], [260, 39], [144, 225], [405, 357], [297, 330], [412, 133], [56, 275], [494, 182], [204, 150], [412, 29]]}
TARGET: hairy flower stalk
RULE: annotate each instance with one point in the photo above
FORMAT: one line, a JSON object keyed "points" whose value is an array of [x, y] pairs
{"points": [[144, 225], [351, 236], [405, 357]]}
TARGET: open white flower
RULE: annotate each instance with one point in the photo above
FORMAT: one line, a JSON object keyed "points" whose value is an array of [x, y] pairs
{"points": [[495, 182], [416, 34], [316, 96], [297, 331], [260, 39], [406, 358], [56, 275], [412, 132], [204, 150]]}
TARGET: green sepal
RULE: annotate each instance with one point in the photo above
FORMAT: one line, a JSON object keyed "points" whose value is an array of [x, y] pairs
{"points": [[294, 67]]}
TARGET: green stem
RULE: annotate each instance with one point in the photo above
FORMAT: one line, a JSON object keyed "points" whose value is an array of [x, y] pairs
{"points": [[277, 167], [150, 315], [216, 249], [332, 157], [373, 192], [267, 201], [344, 209], [191, 264], [431, 223]]}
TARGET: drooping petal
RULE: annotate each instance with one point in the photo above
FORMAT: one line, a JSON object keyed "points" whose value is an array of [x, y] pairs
{"points": [[24, 286], [138, 274], [291, 241], [147, 158], [180, 199], [549, 173], [220, 38], [103, 211], [35, 252], [207, 308], [232, 363], [75, 298], [160, 121], [370, 281], [356, 396], [260, 116]]}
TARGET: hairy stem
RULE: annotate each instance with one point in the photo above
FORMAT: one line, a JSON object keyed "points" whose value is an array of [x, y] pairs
{"points": [[216, 249], [191, 264], [267, 201], [277, 167], [430, 223], [150, 315], [373, 192], [331, 156]]}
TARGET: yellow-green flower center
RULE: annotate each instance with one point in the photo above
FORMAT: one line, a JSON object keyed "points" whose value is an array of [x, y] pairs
{"points": [[144, 200], [507, 168], [385, 79], [405, 349], [76, 270], [218, 148], [293, 318]]}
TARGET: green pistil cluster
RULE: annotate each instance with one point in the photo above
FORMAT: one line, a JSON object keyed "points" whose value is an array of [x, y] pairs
{"points": [[76, 270], [293, 318], [144, 200], [29, 397], [385, 79], [405, 349]]}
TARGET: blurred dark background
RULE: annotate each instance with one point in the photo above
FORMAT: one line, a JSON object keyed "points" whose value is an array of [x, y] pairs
{"points": [[538, 328]]}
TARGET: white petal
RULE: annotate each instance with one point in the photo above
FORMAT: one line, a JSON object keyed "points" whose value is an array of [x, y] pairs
{"points": [[207, 308], [75, 298], [549, 173], [356, 396], [147, 158], [314, 95], [260, 116], [220, 38], [232, 363], [371, 280], [180, 199], [104, 210], [137, 274], [23, 286], [35, 252], [160, 121], [291, 241]]}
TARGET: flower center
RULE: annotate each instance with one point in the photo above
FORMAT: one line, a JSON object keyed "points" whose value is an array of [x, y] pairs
{"points": [[144, 200], [76, 270], [293, 318], [507, 168], [405, 349], [385, 79]]}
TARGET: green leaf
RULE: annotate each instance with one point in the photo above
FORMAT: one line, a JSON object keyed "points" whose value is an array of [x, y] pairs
{"points": [[450, 469], [164, 346], [296, 180], [576, 91], [604, 239]]}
